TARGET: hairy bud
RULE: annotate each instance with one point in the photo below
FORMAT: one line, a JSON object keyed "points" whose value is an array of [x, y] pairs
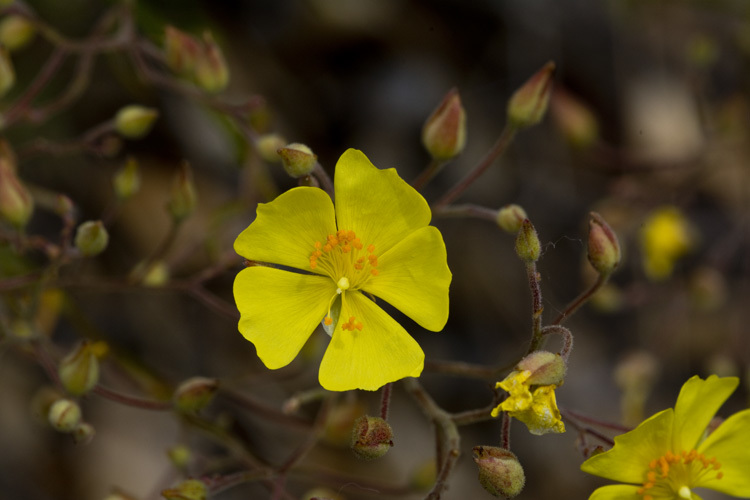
{"points": [[510, 218], [528, 247], [604, 248], [298, 160], [444, 132], [372, 437], [500, 472], [546, 368]]}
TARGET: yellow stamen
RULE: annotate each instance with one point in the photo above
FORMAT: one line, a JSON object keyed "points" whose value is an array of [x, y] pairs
{"points": [[676, 473]]}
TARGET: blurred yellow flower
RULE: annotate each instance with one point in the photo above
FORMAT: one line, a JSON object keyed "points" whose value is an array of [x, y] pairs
{"points": [[666, 236], [376, 242], [669, 454], [537, 409]]}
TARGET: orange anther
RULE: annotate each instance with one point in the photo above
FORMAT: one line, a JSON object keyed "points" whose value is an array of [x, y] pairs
{"points": [[359, 326], [371, 248], [719, 475], [317, 244], [346, 248], [328, 320], [328, 247], [374, 272], [351, 235]]}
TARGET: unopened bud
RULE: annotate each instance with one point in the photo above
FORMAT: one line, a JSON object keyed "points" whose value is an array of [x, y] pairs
{"points": [[195, 394], [528, 247], [184, 197], [83, 433], [15, 32], [63, 206], [510, 218], [528, 104], [79, 371], [7, 73], [604, 248], [500, 472], [444, 132], [135, 121], [127, 180], [191, 489], [546, 368], [574, 119], [268, 146], [372, 437], [181, 50], [211, 70], [91, 238], [64, 415], [298, 160], [179, 455], [16, 203]]}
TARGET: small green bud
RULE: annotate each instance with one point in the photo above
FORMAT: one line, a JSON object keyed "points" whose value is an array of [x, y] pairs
{"points": [[191, 489], [211, 70], [16, 203], [7, 73], [528, 104], [184, 196], [91, 238], [64, 415], [135, 121], [179, 455], [181, 50], [79, 370], [444, 132], [546, 368], [604, 248], [298, 160], [64, 206], [15, 32], [127, 180], [372, 437], [195, 394], [500, 472], [510, 218], [268, 146], [83, 433], [528, 247]]}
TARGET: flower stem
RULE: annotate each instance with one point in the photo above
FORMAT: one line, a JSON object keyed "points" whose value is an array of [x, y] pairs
{"points": [[124, 399], [428, 174], [566, 335], [324, 179], [468, 210], [536, 307], [385, 400], [505, 432], [581, 299]]}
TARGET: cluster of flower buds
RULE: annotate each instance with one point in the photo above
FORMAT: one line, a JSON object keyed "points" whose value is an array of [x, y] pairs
{"points": [[65, 416], [372, 437], [200, 61], [500, 472]]}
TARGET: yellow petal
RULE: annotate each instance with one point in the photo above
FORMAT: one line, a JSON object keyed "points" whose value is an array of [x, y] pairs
{"points": [[542, 415], [698, 402], [414, 277], [376, 204], [381, 352], [628, 460], [730, 444], [286, 229], [279, 310], [616, 492]]}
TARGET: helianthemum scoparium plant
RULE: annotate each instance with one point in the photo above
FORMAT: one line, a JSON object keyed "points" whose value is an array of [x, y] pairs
{"points": [[375, 243], [671, 454]]}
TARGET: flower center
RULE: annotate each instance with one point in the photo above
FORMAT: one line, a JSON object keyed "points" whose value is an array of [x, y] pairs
{"points": [[676, 473], [346, 260]]}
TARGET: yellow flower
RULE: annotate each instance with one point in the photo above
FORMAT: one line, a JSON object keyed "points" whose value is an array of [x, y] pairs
{"points": [[669, 454], [376, 242], [666, 236], [537, 409]]}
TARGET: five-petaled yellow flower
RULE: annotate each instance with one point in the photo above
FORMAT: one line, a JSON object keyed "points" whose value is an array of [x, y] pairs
{"points": [[537, 409], [669, 454], [376, 242]]}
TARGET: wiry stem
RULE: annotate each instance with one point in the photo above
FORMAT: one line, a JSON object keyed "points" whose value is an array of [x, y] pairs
{"points": [[581, 299]]}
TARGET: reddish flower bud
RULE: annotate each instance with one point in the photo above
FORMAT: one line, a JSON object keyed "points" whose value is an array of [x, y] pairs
{"points": [[546, 368], [372, 437], [211, 70], [298, 160], [444, 132], [604, 248], [528, 104], [500, 472]]}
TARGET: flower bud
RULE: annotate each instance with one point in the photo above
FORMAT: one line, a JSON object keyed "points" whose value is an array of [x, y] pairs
{"points": [[63, 206], [190, 489], [195, 394], [500, 472], [64, 415], [181, 50], [510, 218], [575, 120], [268, 146], [546, 368], [16, 203], [15, 32], [184, 197], [83, 433], [211, 71], [7, 73], [444, 132], [528, 104], [298, 160], [372, 437], [179, 455], [604, 248], [91, 238], [127, 180], [79, 371], [528, 247], [135, 121]]}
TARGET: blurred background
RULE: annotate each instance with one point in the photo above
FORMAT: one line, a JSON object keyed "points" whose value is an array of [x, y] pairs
{"points": [[648, 125]]}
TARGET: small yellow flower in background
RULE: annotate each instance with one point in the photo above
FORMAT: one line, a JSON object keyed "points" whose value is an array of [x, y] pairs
{"points": [[669, 454], [537, 409], [666, 236], [376, 242]]}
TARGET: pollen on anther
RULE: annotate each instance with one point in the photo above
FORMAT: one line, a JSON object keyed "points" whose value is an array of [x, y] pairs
{"points": [[317, 245], [328, 320], [374, 272], [371, 248]]}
